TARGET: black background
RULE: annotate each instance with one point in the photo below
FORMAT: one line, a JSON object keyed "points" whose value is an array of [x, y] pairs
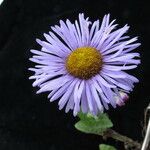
{"points": [[28, 121]]}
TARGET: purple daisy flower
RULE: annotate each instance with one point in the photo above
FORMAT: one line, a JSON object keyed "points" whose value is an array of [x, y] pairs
{"points": [[82, 65]]}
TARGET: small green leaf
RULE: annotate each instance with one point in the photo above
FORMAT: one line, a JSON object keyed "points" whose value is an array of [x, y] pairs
{"points": [[106, 147], [92, 124]]}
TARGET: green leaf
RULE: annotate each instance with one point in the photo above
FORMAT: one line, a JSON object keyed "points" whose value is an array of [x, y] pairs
{"points": [[106, 147], [92, 124]]}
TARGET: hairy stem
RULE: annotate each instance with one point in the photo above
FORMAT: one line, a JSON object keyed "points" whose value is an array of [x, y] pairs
{"points": [[146, 142], [128, 142]]}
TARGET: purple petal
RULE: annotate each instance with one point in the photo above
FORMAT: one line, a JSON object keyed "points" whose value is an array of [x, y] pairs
{"points": [[125, 87], [70, 104], [54, 84], [119, 68], [96, 97], [76, 99], [67, 94], [113, 74], [89, 98], [102, 80], [109, 94], [59, 92], [84, 103], [55, 41]]}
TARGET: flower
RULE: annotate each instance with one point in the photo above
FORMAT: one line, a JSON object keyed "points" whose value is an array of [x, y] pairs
{"points": [[82, 65], [121, 98]]}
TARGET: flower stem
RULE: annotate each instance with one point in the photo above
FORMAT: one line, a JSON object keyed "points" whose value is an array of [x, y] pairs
{"points": [[128, 142], [147, 138], [146, 142]]}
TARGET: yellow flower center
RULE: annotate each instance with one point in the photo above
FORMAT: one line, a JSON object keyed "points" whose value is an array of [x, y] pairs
{"points": [[84, 62]]}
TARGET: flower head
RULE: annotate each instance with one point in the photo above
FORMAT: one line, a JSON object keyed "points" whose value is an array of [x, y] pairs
{"points": [[82, 65]]}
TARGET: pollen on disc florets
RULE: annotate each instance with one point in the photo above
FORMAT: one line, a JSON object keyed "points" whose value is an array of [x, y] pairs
{"points": [[84, 62]]}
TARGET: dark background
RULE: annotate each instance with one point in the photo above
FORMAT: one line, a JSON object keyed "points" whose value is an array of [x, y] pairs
{"points": [[28, 121]]}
